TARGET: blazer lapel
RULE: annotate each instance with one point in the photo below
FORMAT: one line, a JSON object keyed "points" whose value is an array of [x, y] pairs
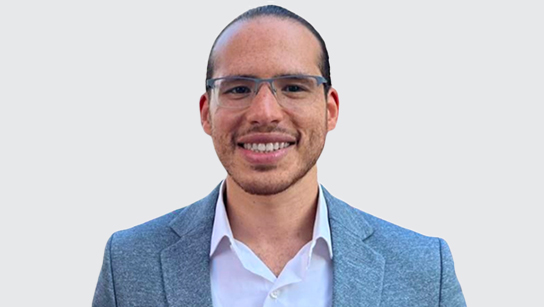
{"points": [[358, 270], [185, 264]]}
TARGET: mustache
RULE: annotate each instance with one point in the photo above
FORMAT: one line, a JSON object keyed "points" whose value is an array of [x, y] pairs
{"points": [[266, 129]]}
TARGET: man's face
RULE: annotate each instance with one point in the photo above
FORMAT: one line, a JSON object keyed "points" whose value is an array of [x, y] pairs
{"points": [[267, 47]]}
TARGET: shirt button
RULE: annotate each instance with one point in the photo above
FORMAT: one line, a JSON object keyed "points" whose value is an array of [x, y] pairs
{"points": [[274, 294]]}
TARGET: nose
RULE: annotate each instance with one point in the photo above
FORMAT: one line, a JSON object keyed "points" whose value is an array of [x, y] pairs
{"points": [[264, 108]]}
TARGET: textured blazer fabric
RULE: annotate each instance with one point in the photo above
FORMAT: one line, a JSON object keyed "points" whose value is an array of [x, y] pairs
{"points": [[165, 262]]}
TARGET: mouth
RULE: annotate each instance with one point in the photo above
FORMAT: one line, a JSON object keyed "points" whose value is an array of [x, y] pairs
{"points": [[265, 147]]}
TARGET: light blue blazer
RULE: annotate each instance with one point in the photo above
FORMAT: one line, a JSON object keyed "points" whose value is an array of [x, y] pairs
{"points": [[165, 262]]}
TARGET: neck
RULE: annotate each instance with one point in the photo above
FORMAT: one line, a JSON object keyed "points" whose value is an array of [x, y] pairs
{"points": [[284, 218]]}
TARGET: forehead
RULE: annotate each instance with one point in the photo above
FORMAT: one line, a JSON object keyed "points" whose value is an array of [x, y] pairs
{"points": [[266, 47]]}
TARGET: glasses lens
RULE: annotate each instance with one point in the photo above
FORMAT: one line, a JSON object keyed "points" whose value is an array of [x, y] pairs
{"points": [[234, 92], [295, 87], [296, 90]]}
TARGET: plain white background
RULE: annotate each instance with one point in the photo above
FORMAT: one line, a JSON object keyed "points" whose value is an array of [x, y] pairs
{"points": [[440, 130]]}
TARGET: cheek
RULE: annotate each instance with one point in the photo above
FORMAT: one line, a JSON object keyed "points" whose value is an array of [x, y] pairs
{"points": [[218, 120], [224, 125], [310, 120]]}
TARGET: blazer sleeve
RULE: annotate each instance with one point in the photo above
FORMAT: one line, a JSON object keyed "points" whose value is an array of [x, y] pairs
{"points": [[451, 294], [104, 295]]}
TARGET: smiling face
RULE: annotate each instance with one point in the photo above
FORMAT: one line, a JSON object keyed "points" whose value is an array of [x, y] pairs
{"points": [[265, 147]]}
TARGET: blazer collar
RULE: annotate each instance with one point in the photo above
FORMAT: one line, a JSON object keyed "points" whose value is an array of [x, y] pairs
{"points": [[358, 270], [186, 263]]}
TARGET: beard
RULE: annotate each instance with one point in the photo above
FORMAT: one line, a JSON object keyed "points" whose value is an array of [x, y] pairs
{"points": [[264, 186], [266, 180]]}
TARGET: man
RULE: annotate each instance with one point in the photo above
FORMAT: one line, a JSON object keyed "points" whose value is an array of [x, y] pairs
{"points": [[269, 234]]}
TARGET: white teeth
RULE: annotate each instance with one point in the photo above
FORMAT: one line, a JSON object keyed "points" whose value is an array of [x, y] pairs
{"points": [[268, 147]]}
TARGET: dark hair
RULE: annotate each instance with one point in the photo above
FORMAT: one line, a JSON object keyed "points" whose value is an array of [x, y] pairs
{"points": [[282, 13]]}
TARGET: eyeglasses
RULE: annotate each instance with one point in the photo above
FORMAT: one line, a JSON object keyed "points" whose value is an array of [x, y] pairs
{"points": [[290, 91]]}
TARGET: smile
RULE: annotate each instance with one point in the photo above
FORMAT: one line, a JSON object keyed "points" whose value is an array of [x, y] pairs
{"points": [[265, 147]]}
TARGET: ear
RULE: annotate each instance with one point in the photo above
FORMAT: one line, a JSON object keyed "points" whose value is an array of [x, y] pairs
{"points": [[333, 107], [205, 119]]}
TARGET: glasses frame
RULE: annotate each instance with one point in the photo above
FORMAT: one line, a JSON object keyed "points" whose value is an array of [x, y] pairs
{"points": [[319, 79], [258, 81]]}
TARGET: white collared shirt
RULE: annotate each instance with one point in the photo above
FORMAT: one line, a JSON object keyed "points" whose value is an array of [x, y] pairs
{"points": [[239, 278]]}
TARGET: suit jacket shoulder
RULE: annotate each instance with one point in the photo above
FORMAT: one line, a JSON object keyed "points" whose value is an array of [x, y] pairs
{"points": [[143, 265], [411, 269]]}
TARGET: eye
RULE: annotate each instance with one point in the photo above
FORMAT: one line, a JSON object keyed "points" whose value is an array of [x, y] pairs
{"points": [[239, 90], [293, 88]]}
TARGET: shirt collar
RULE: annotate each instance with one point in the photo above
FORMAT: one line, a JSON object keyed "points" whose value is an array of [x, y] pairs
{"points": [[221, 225], [321, 225]]}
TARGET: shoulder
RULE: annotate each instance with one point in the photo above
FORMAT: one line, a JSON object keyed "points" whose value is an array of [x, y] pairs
{"points": [[384, 237], [153, 234], [162, 231], [415, 267], [394, 235]]}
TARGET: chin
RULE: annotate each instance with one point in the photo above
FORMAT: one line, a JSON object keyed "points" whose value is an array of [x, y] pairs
{"points": [[266, 180], [263, 187]]}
